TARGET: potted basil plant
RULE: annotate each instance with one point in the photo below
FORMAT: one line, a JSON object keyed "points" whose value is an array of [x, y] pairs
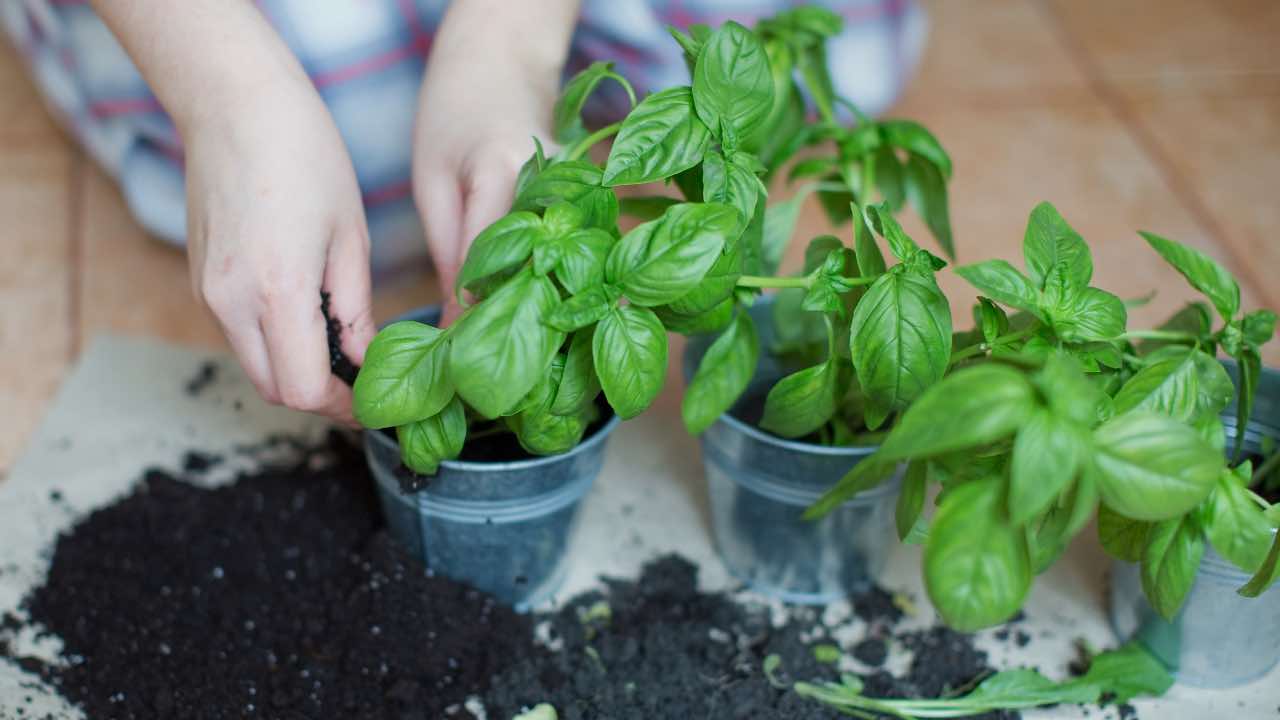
{"points": [[1059, 411], [566, 328]]}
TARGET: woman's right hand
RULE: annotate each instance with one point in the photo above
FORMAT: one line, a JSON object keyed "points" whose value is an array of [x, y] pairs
{"points": [[274, 217]]}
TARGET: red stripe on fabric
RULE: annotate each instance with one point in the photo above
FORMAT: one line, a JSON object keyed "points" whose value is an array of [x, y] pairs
{"points": [[123, 106], [421, 38], [388, 193], [364, 67]]}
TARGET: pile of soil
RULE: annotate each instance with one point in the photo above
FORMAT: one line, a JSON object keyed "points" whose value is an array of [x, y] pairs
{"points": [[655, 647], [278, 596], [281, 596]]}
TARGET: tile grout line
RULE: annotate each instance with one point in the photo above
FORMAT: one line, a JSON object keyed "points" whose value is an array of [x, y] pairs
{"points": [[75, 254], [1152, 149]]}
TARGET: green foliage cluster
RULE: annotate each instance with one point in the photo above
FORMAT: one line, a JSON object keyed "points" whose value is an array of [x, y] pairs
{"points": [[1043, 414]]}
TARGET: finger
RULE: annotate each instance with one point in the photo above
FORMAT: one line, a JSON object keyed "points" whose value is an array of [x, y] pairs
{"points": [[251, 350], [488, 198], [346, 279], [239, 321], [440, 206], [298, 348]]}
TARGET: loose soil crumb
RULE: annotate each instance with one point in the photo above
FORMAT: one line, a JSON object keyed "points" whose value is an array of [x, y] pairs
{"points": [[339, 363], [205, 375], [276, 597]]}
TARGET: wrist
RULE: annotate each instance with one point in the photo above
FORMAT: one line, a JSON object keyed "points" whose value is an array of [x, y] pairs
{"points": [[531, 38]]}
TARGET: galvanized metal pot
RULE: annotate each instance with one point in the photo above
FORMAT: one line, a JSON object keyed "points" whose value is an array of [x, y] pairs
{"points": [[502, 527], [760, 485], [1219, 639]]}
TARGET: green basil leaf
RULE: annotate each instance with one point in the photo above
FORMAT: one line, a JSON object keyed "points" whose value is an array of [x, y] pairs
{"points": [[543, 433], [973, 406], [536, 163], [837, 201], [562, 218], [1151, 467], [1259, 327], [891, 178], [662, 259], [1202, 271], [726, 182], [661, 137], [1267, 574], [688, 44], [1236, 525], [575, 181], [752, 241], [780, 117], [883, 222], [1122, 538], [1051, 246], [585, 308], [1170, 562], [1090, 314], [713, 320], [403, 378], [779, 225], [732, 84], [1127, 672], [816, 73], [870, 260], [990, 319], [801, 402], [582, 258], [718, 284], [914, 138], [505, 244], [1249, 365], [425, 443], [915, 485], [1182, 383], [976, 567], [1047, 453], [900, 341], [818, 250], [630, 353], [502, 347], [927, 191], [579, 385], [645, 207], [722, 375], [1003, 283], [566, 117]]}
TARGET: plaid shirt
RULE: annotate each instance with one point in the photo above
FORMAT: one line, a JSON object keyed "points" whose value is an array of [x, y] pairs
{"points": [[366, 59]]}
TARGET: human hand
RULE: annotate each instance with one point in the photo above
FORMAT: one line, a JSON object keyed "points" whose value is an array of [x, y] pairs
{"points": [[274, 216], [490, 88]]}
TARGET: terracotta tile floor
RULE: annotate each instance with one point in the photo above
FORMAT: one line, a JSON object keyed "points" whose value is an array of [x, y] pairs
{"points": [[1155, 114]]}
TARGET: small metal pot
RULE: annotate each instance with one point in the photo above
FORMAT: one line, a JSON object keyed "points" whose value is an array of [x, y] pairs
{"points": [[502, 527], [1218, 639], [760, 485]]}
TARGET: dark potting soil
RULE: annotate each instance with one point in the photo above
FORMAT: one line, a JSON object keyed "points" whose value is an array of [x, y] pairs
{"points": [[339, 363], [665, 650], [277, 596], [204, 376], [281, 596]]}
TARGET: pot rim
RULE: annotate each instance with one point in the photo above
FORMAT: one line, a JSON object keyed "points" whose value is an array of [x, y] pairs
{"points": [[531, 463], [762, 436]]}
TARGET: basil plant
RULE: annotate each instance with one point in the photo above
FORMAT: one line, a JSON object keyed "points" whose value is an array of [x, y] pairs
{"points": [[1056, 411], [565, 307]]}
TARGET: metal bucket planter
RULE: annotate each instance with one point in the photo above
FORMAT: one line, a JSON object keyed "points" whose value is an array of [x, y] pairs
{"points": [[502, 527], [1219, 639], [760, 484]]}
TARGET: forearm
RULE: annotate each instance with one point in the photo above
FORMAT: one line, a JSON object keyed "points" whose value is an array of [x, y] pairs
{"points": [[535, 35], [204, 59]]}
